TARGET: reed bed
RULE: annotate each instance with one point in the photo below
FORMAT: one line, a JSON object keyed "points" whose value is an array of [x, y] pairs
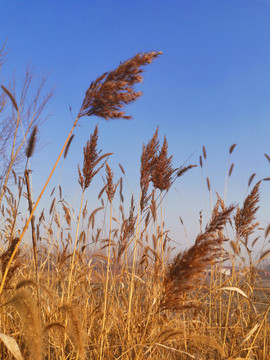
{"points": [[81, 290]]}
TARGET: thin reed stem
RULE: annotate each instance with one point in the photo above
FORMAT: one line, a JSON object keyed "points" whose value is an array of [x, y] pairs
{"points": [[106, 285], [74, 250], [133, 268], [34, 240]]}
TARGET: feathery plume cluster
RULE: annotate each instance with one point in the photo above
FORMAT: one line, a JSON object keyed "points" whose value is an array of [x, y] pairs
{"points": [[5, 256], [77, 335], [26, 306], [127, 230], [31, 143], [114, 89], [188, 267], [110, 186], [67, 215], [91, 159], [147, 162], [244, 217], [162, 170]]}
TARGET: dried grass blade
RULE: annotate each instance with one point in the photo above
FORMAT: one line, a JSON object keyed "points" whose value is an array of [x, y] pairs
{"points": [[12, 346], [249, 334], [233, 288]]}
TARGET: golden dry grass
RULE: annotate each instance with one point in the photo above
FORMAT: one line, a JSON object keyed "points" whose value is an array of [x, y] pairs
{"points": [[117, 292]]}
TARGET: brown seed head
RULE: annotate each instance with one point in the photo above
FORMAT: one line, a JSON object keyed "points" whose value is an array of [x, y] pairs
{"points": [[245, 216], [108, 94], [267, 157], [147, 162], [110, 186], [188, 267], [31, 143], [204, 152], [231, 169], [232, 148], [91, 159], [162, 170]]}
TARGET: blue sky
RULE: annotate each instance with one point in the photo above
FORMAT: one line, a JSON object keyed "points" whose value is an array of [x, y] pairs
{"points": [[210, 87]]}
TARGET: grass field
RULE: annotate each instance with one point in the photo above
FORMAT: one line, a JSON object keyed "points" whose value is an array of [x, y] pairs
{"points": [[74, 289]]}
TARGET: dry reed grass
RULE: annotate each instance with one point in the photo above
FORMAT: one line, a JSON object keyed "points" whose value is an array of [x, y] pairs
{"points": [[115, 291]]}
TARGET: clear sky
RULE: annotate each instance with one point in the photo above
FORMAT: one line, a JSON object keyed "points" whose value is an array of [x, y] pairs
{"points": [[210, 87]]}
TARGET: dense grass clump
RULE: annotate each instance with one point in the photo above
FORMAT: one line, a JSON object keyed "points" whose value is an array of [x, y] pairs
{"points": [[82, 290]]}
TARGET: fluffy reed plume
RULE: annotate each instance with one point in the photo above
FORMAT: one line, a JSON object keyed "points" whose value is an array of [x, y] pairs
{"points": [[26, 306], [147, 161], [245, 216], [110, 186], [153, 206], [91, 159], [75, 331], [31, 143], [67, 215], [188, 267], [5, 256], [104, 98], [114, 89], [127, 230], [162, 170]]}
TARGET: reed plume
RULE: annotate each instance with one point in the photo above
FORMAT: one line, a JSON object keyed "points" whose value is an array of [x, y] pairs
{"points": [[127, 230], [31, 143], [5, 257], [147, 162], [67, 215], [114, 89], [162, 170], [68, 145], [267, 157], [91, 159], [245, 216], [75, 331], [26, 306], [184, 169], [110, 186], [188, 267], [11, 97], [104, 98]]}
